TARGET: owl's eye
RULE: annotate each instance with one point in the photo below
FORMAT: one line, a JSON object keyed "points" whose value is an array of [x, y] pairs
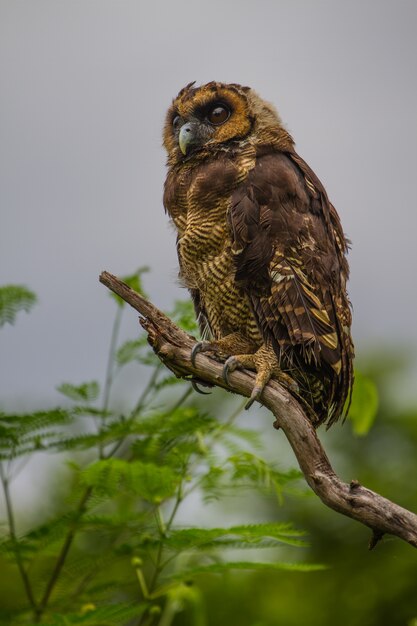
{"points": [[176, 122], [219, 114]]}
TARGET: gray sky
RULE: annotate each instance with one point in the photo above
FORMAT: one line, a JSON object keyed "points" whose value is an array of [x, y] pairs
{"points": [[84, 90]]}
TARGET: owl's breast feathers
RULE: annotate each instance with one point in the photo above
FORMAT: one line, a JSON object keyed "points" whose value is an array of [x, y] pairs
{"points": [[197, 197], [262, 221]]}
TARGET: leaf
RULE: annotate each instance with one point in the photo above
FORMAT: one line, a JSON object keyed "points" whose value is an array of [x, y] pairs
{"points": [[13, 299], [183, 314], [131, 350], [135, 282], [136, 350], [151, 482], [82, 442], [27, 432], [364, 406], [86, 392], [254, 469], [184, 421], [252, 535], [219, 568]]}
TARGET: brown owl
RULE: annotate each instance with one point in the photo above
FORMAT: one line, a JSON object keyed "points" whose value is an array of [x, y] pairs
{"points": [[260, 246]]}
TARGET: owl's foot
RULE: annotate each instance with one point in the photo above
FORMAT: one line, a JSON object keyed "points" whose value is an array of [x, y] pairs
{"points": [[266, 365], [230, 344], [246, 355]]}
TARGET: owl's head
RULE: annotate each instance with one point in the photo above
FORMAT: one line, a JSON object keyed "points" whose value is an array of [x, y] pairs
{"points": [[216, 116]]}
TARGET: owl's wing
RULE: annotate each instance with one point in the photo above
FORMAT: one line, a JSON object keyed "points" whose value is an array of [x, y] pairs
{"points": [[289, 252]]}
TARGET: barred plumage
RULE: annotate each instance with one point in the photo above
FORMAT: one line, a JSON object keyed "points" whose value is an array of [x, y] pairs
{"points": [[260, 246]]}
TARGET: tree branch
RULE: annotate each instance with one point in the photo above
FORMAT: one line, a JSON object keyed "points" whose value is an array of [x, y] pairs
{"points": [[173, 346]]}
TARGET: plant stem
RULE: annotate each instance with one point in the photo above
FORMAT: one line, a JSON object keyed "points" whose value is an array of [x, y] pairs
{"points": [[145, 392], [139, 405], [214, 438], [62, 556], [110, 359], [163, 528], [178, 501], [13, 536], [169, 611]]}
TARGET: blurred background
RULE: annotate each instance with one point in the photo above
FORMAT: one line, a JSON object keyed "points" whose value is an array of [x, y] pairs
{"points": [[84, 89]]}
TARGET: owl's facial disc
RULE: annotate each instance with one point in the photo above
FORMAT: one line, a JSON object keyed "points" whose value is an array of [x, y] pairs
{"points": [[203, 120], [202, 127]]}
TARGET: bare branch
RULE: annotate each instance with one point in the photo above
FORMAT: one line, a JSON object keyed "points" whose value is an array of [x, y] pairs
{"points": [[173, 346]]}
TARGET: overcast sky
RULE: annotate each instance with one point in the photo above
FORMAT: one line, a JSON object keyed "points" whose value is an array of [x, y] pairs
{"points": [[84, 90]]}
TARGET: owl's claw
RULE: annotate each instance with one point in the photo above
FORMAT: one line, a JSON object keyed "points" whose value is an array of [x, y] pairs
{"points": [[255, 395], [200, 346], [283, 378], [263, 361], [263, 373], [198, 390], [230, 365]]}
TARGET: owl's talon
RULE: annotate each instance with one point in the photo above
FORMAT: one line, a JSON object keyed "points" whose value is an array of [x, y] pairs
{"points": [[255, 395], [200, 346], [230, 365], [196, 388]]}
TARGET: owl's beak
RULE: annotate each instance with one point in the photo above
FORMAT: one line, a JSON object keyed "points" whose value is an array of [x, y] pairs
{"points": [[187, 137]]}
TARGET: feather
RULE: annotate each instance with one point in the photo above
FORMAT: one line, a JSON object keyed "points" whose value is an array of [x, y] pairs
{"points": [[289, 256]]}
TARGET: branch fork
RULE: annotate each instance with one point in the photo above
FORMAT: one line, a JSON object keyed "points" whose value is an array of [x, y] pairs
{"points": [[173, 346]]}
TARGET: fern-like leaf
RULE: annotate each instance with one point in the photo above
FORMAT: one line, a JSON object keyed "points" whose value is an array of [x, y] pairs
{"points": [[252, 535], [13, 299], [86, 392], [151, 482]]}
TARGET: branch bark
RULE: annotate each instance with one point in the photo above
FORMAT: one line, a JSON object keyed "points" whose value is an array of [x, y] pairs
{"points": [[173, 346]]}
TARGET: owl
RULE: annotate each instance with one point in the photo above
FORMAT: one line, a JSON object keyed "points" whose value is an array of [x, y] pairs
{"points": [[260, 247]]}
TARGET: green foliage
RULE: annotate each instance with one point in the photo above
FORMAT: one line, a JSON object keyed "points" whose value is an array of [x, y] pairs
{"points": [[359, 588], [117, 521], [183, 314], [135, 350], [153, 483], [235, 536], [90, 615], [21, 434], [87, 392], [111, 551], [364, 406], [217, 568], [15, 298]]}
